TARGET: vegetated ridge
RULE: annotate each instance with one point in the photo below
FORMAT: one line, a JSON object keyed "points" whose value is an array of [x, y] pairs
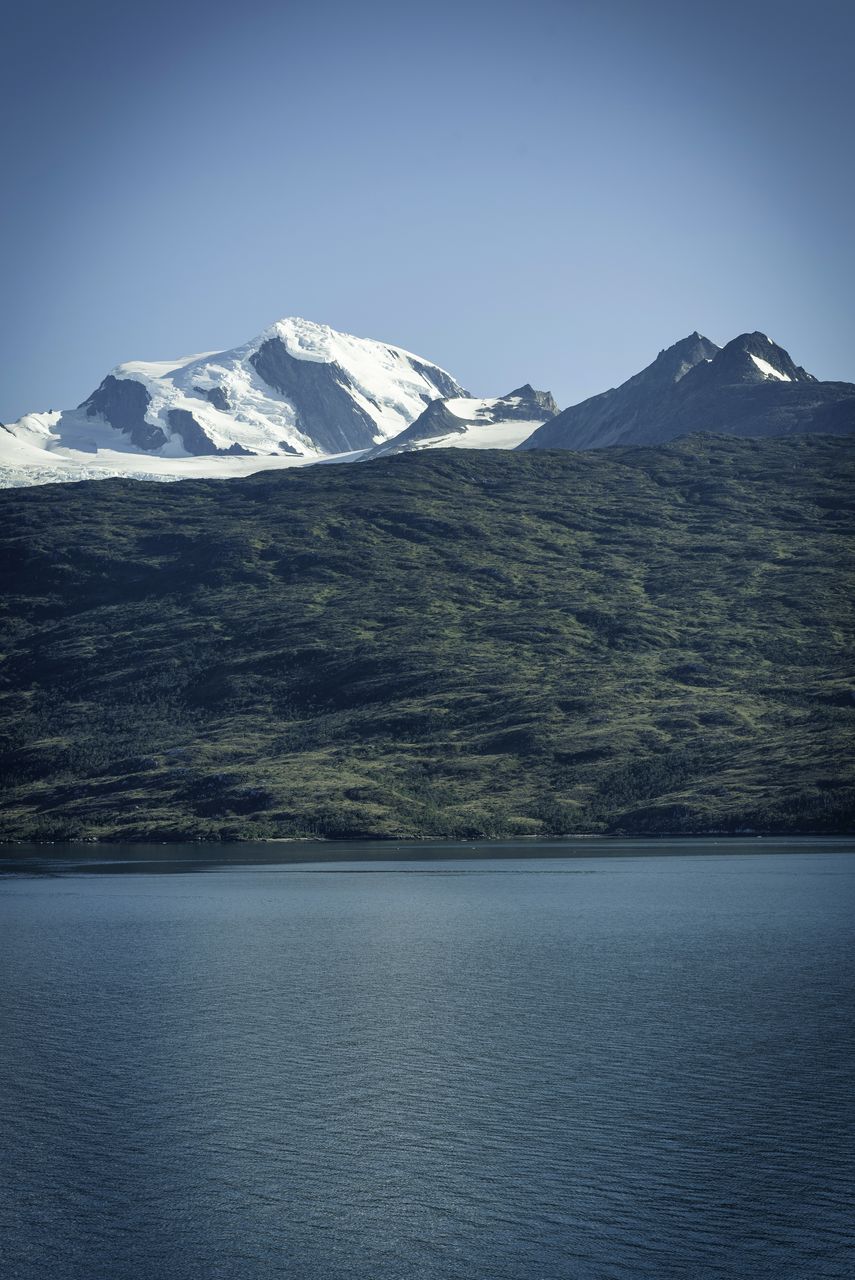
{"points": [[447, 643]]}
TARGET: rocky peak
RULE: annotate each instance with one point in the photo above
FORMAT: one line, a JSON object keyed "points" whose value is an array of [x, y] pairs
{"points": [[538, 404], [674, 362], [754, 357]]}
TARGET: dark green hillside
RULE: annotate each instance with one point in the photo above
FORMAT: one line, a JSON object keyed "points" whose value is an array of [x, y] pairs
{"points": [[449, 643]]}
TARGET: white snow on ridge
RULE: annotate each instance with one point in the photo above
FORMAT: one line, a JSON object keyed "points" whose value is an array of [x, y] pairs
{"points": [[488, 435], [310, 341], [30, 435], [157, 368], [478, 425], [471, 410], [768, 370]]}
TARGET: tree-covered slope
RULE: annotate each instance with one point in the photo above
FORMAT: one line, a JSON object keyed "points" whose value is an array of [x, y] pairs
{"points": [[444, 643]]}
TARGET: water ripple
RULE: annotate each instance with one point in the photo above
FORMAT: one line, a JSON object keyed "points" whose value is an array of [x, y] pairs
{"points": [[587, 1071]]}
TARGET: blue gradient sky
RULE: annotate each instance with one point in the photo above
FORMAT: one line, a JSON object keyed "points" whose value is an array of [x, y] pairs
{"points": [[545, 192]]}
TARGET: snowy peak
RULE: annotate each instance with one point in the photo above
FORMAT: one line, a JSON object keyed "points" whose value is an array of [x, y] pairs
{"points": [[674, 362], [306, 340], [347, 393], [298, 388], [525, 402]]}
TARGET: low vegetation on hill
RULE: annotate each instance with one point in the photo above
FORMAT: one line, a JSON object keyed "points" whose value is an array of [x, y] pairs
{"points": [[449, 643]]}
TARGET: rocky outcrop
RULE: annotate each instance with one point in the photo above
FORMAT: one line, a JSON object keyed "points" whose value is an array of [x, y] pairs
{"points": [[526, 404], [123, 403], [215, 396], [444, 383], [236, 451], [192, 436]]}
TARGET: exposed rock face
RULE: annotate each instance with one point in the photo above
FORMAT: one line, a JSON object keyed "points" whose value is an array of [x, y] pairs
{"points": [[236, 450], [525, 403], [751, 387], [444, 383], [193, 437], [330, 408], [321, 394], [437, 420], [196, 442], [672, 364], [123, 403], [215, 396]]}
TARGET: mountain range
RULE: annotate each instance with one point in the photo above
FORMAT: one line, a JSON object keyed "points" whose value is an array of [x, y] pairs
{"points": [[302, 393]]}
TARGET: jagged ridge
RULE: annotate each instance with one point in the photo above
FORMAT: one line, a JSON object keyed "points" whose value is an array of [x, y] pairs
{"points": [[750, 387]]}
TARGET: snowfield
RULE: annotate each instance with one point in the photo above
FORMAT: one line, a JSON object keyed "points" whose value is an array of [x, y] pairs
{"points": [[769, 371]]}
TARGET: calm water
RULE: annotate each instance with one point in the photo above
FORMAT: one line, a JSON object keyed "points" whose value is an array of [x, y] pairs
{"points": [[572, 1068]]}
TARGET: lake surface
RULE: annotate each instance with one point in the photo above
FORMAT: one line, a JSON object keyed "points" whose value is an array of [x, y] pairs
{"points": [[257, 1062]]}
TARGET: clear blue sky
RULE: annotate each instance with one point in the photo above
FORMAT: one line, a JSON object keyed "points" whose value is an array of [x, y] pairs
{"points": [[543, 191]]}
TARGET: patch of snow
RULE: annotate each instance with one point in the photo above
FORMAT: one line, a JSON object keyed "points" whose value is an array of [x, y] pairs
{"points": [[496, 435], [470, 409], [769, 371], [478, 435]]}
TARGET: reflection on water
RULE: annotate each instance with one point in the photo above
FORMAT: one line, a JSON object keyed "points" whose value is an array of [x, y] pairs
{"points": [[318, 1063], [163, 859]]}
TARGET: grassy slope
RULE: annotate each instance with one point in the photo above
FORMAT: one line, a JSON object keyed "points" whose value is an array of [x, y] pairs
{"points": [[443, 643]]}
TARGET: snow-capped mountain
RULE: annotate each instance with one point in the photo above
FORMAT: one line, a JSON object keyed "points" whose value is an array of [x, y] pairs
{"points": [[303, 393], [751, 387], [298, 392], [501, 422]]}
